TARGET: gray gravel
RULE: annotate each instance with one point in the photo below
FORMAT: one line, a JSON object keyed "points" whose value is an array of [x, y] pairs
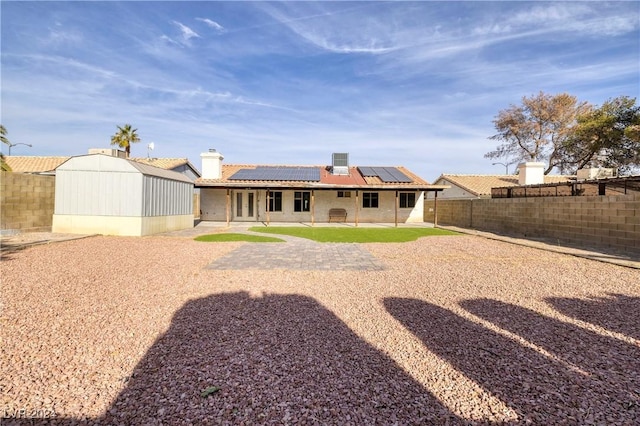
{"points": [[453, 330]]}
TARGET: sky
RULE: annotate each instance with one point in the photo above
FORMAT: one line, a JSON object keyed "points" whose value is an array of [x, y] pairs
{"points": [[414, 84]]}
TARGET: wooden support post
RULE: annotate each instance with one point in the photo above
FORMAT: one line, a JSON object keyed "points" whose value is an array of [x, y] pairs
{"points": [[313, 208], [435, 209], [268, 202], [228, 206], [396, 209], [357, 211]]}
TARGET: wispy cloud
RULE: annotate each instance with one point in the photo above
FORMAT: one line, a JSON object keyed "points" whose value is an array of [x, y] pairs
{"points": [[411, 83], [186, 32], [337, 31], [58, 35], [212, 24]]}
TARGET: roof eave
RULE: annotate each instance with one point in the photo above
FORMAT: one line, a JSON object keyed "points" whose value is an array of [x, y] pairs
{"points": [[302, 185]]}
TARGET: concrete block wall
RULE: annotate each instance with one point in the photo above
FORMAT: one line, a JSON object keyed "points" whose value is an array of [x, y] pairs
{"points": [[450, 212], [592, 221], [26, 202]]}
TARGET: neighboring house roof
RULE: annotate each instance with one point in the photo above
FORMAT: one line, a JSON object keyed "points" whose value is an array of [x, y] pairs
{"points": [[167, 163], [480, 185], [327, 180], [31, 164]]}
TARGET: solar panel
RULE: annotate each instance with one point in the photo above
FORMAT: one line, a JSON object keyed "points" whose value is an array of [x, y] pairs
{"points": [[367, 171], [275, 173], [386, 174], [398, 175]]}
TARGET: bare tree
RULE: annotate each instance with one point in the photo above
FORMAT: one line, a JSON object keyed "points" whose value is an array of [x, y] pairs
{"points": [[538, 129]]}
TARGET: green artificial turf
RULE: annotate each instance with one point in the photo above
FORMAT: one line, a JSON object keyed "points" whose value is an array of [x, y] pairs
{"points": [[354, 235], [217, 238]]}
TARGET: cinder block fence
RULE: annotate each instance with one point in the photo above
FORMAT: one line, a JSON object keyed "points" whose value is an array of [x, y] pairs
{"points": [[26, 202], [594, 221]]}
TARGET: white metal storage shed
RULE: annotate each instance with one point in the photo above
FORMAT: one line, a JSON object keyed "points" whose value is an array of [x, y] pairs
{"points": [[100, 194]]}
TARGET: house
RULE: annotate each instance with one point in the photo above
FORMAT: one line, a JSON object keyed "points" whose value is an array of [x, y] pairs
{"points": [[103, 194], [320, 193], [479, 186]]}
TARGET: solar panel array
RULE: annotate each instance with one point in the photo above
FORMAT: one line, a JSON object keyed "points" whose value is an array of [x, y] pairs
{"points": [[275, 173], [386, 174]]}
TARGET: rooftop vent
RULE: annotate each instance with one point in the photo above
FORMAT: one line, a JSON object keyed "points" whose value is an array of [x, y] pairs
{"points": [[340, 163]]}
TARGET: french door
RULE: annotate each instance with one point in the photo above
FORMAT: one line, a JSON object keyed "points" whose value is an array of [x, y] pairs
{"points": [[244, 206]]}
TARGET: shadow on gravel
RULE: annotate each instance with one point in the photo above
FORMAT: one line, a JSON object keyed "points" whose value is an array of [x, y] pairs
{"points": [[586, 385], [619, 313], [272, 359]]}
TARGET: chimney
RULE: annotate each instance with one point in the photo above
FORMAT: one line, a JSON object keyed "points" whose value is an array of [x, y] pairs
{"points": [[530, 173], [211, 164]]}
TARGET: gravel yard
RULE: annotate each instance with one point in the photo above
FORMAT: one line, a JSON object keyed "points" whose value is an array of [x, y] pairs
{"points": [[453, 330]]}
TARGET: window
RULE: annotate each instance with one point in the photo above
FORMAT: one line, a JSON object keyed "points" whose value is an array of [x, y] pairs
{"points": [[239, 204], [274, 202], [250, 196], [301, 201], [370, 200], [407, 200], [344, 194]]}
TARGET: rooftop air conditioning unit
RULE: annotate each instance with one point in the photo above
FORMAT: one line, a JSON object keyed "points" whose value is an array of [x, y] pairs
{"points": [[112, 152], [340, 163]]}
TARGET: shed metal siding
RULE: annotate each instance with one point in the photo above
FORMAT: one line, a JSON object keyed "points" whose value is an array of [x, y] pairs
{"points": [[163, 197], [93, 193]]}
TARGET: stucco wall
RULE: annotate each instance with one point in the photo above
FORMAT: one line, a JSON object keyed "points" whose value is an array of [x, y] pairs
{"points": [[607, 221], [213, 205], [26, 201]]}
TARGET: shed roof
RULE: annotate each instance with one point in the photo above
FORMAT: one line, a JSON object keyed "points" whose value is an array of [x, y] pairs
{"points": [[101, 162], [481, 185]]}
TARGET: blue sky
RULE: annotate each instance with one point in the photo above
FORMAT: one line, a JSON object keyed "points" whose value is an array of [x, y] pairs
{"points": [[402, 83]]}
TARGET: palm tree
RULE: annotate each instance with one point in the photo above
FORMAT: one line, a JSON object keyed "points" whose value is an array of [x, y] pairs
{"points": [[3, 137], [124, 137]]}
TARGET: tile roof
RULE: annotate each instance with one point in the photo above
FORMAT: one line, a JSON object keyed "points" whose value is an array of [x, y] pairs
{"points": [[354, 179], [480, 185], [31, 164], [165, 163]]}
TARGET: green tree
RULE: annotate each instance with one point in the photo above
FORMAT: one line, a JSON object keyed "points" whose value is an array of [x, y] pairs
{"points": [[124, 137], [538, 129], [607, 136], [3, 137]]}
